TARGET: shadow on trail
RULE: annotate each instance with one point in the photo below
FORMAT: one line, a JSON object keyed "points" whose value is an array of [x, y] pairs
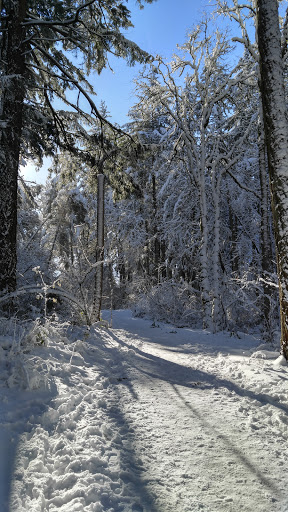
{"points": [[186, 340], [11, 435], [155, 368], [174, 373], [131, 467], [252, 468]]}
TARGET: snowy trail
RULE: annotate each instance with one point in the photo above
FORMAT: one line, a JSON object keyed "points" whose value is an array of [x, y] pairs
{"points": [[192, 436], [143, 419]]}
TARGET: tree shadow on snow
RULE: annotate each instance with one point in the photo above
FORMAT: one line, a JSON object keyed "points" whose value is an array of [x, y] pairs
{"points": [[175, 373], [152, 367], [33, 406], [131, 466]]}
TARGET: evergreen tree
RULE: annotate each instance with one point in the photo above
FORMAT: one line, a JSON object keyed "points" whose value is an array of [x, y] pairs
{"points": [[39, 44]]}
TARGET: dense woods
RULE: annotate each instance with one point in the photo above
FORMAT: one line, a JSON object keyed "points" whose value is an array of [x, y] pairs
{"points": [[189, 234]]}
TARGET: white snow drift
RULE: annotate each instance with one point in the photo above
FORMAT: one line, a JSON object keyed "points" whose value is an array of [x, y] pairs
{"points": [[140, 417]]}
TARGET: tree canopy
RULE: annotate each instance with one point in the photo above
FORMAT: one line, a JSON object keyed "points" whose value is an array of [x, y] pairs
{"points": [[46, 51]]}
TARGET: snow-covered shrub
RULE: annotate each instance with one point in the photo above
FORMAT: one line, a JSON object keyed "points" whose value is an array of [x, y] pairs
{"points": [[27, 373], [11, 328], [244, 299], [37, 334], [19, 367], [176, 303], [25, 348]]}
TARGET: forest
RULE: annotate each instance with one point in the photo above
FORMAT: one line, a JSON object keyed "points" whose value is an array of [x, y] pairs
{"points": [[144, 286], [191, 232]]}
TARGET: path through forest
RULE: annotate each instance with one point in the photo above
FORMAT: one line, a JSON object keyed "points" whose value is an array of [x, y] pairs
{"points": [[147, 418], [200, 435]]}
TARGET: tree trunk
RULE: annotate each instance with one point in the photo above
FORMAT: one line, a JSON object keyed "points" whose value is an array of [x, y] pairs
{"points": [[156, 245], [233, 226], [99, 249], [204, 257], [276, 129], [266, 242], [11, 120], [217, 308]]}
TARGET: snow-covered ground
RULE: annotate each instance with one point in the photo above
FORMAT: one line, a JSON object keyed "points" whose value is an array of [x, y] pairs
{"points": [[140, 417]]}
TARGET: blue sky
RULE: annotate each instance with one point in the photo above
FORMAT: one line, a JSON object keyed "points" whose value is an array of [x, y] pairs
{"points": [[157, 29]]}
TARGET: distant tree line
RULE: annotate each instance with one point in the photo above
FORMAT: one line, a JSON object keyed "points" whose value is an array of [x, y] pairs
{"points": [[191, 234]]}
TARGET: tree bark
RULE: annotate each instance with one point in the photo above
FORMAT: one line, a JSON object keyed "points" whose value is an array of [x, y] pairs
{"points": [[266, 241], [11, 120], [99, 249], [204, 254], [156, 244], [217, 308], [276, 130]]}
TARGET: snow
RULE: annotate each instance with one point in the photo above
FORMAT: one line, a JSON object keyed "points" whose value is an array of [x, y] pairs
{"points": [[142, 417]]}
